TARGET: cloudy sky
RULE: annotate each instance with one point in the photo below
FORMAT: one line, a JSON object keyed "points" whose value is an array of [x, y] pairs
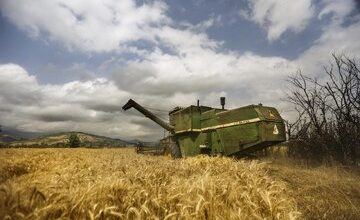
{"points": [[71, 65]]}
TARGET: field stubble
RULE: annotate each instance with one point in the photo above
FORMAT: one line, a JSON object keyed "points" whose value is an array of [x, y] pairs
{"points": [[119, 184], [321, 192]]}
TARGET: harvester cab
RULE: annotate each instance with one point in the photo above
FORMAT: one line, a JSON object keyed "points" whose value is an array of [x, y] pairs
{"points": [[217, 131]]}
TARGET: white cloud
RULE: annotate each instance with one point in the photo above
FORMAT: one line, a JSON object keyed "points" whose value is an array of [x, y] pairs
{"points": [[16, 86], [91, 106], [184, 65], [105, 26], [337, 9], [279, 16], [205, 72], [95, 105], [204, 25], [90, 26], [27, 105], [334, 39]]}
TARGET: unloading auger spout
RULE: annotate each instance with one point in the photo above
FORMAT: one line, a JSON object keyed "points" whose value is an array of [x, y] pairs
{"points": [[132, 104]]}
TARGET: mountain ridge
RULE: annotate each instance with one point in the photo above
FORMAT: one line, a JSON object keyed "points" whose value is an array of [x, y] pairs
{"points": [[60, 139]]}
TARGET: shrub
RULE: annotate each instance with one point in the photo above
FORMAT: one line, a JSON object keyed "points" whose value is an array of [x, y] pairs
{"points": [[74, 141]]}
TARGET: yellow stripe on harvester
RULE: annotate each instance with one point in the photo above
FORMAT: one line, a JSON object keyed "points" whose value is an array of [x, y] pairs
{"points": [[221, 126]]}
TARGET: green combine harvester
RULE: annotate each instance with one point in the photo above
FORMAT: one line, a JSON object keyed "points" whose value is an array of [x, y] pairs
{"points": [[217, 131]]}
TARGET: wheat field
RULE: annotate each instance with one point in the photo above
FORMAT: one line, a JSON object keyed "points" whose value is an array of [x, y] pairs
{"points": [[119, 184]]}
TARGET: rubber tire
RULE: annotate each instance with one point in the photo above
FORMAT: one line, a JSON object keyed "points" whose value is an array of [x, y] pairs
{"points": [[175, 151]]}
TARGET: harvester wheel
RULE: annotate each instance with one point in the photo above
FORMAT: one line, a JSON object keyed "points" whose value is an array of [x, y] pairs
{"points": [[175, 151]]}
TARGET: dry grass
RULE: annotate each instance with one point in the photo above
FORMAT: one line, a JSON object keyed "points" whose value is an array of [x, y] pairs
{"points": [[321, 192], [116, 183]]}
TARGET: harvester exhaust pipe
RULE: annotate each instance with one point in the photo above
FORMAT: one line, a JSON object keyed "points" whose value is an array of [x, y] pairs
{"points": [[222, 102], [132, 104]]}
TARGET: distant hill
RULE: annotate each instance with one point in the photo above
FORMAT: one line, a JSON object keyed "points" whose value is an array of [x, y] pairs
{"points": [[61, 140], [5, 138]]}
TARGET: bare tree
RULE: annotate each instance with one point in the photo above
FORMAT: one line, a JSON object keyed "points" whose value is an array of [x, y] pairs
{"points": [[328, 126]]}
